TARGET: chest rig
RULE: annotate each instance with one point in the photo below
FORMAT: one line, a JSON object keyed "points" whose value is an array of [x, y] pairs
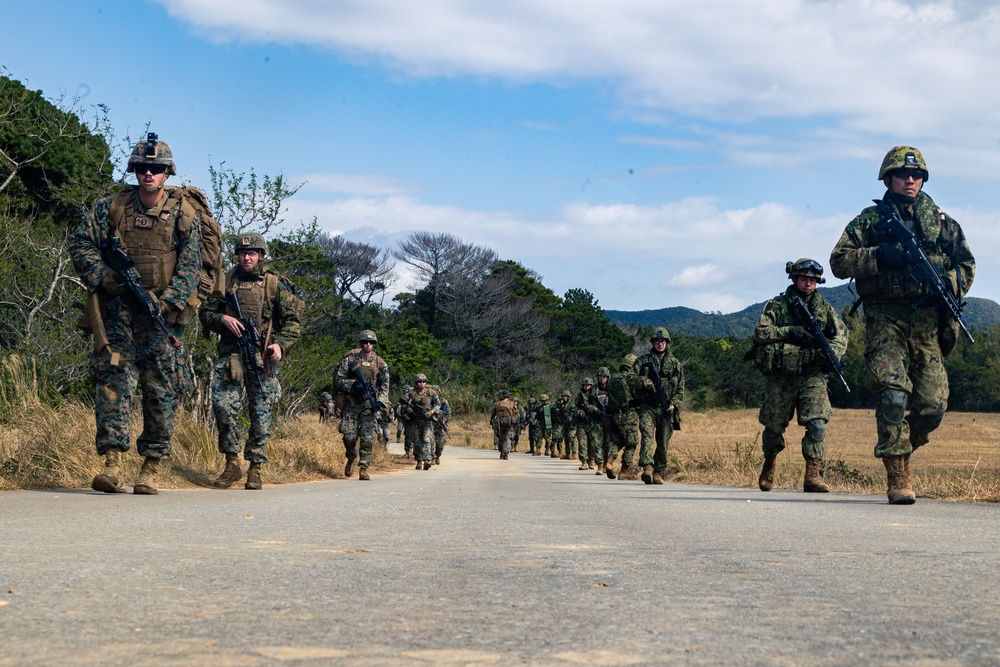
{"points": [[369, 368], [149, 238]]}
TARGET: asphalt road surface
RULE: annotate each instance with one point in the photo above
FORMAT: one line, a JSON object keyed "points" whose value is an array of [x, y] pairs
{"points": [[487, 562]]}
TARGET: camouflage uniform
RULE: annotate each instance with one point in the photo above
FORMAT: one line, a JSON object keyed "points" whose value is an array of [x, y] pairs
{"points": [[544, 423], [655, 426], [503, 419], [357, 422], [277, 321], [530, 420], [907, 334], [623, 431], [796, 370], [590, 427], [158, 239], [423, 407], [440, 434], [561, 425]]}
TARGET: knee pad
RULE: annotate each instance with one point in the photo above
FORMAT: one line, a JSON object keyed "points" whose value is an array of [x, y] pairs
{"points": [[891, 406], [772, 440], [816, 430]]}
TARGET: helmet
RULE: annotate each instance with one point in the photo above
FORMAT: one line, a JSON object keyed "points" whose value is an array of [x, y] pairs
{"points": [[903, 157], [505, 394], [368, 336], [152, 151], [603, 372], [629, 360], [251, 241], [805, 267], [532, 401], [326, 396], [419, 377], [660, 332], [544, 398], [587, 381], [566, 392]]}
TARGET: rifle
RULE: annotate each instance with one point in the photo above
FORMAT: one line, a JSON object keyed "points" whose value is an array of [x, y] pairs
{"points": [[923, 269], [367, 390], [817, 332], [595, 399], [115, 256], [249, 340], [661, 397]]}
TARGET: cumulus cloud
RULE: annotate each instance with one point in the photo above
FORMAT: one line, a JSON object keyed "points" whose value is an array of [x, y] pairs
{"points": [[859, 61]]}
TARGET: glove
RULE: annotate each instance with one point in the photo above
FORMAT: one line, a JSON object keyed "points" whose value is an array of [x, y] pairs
{"points": [[798, 335], [428, 414], [809, 356], [164, 307], [358, 387], [111, 285], [648, 385], [890, 258]]}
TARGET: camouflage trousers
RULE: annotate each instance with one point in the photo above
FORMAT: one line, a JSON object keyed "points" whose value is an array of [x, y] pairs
{"points": [[144, 359], [440, 440], [570, 439], [654, 437], [591, 435], [358, 425], [902, 353], [785, 395], [544, 440], [532, 437], [505, 438], [227, 401], [623, 435], [423, 439]]}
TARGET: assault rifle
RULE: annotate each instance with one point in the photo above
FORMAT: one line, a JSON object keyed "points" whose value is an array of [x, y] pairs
{"points": [[437, 418], [799, 306], [249, 340], [923, 270], [367, 390], [661, 397], [118, 259]]}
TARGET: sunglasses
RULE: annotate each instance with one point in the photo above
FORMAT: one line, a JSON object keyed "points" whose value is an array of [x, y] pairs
{"points": [[903, 174], [154, 169]]}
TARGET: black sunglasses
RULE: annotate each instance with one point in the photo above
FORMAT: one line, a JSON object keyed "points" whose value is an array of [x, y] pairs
{"points": [[154, 169]]}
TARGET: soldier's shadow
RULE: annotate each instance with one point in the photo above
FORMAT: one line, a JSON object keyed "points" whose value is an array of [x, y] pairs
{"points": [[192, 475]]}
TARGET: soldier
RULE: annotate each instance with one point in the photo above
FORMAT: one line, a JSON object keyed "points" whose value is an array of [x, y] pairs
{"points": [[325, 407], [570, 427], [520, 424], [163, 239], [599, 399], [588, 431], [623, 429], [657, 419], [796, 367], [908, 332], [400, 418], [423, 408], [441, 425], [543, 424], [531, 422], [503, 419], [268, 306], [357, 421], [560, 427]]}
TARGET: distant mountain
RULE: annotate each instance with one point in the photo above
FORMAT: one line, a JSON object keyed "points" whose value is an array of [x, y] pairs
{"points": [[979, 314]]}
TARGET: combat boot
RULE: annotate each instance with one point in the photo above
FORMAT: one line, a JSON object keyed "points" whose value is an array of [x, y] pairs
{"points": [[554, 455], [231, 474], [253, 478], [600, 469], [349, 468], [427, 465], [899, 491], [363, 474], [583, 465], [437, 460], [420, 465], [147, 475], [659, 476], [107, 481], [647, 474], [631, 473], [766, 480], [609, 470], [813, 483]]}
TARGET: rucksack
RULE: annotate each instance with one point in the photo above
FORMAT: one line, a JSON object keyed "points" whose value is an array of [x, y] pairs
{"points": [[192, 202]]}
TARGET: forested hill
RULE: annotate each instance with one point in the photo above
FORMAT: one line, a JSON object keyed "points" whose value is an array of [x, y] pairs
{"points": [[979, 314]]}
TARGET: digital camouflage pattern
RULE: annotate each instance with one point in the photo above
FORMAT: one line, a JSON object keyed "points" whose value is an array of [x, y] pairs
{"points": [[623, 429], [655, 428], [138, 355], [424, 407], [357, 423], [903, 344], [796, 374], [589, 426]]}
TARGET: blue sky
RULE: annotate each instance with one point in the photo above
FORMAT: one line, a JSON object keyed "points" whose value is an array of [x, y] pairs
{"points": [[652, 152]]}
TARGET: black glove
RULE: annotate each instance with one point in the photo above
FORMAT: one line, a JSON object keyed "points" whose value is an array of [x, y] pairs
{"points": [[890, 258], [798, 335], [358, 387]]}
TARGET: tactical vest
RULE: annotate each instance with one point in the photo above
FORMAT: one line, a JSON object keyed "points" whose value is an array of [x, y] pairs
{"points": [[421, 400], [250, 296], [369, 368], [149, 241]]}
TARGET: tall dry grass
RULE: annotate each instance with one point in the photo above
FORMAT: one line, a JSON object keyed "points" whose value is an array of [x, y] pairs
{"points": [[46, 447]]}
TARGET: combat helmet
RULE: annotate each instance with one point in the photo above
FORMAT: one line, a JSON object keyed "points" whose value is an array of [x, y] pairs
{"points": [[544, 398], [903, 157], [603, 372], [587, 381], [629, 360], [325, 396], [368, 336], [419, 377], [567, 393], [152, 151], [660, 332], [805, 267], [532, 401], [504, 393], [251, 241]]}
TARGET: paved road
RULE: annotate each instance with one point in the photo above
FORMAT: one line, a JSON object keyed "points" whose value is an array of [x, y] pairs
{"points": [[484, 562]]}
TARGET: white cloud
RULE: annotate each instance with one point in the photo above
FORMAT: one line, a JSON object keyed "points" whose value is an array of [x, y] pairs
{"points": [[697, 276], [911, 69], [351, 184]]}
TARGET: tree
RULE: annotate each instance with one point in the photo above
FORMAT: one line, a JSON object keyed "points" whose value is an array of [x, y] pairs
{"points": [[362, 271]]}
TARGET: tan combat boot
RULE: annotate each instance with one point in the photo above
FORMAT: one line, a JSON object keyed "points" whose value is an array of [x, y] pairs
{"points": [[147, 475], [349, 468], [813, 483], [899, 491], [427, 465], [253, 478], [766, 480], [609, 469], [600, 469], [363, 474], [231, 474], [647, 474], [108, 480], [659, 476], [437, 460]]}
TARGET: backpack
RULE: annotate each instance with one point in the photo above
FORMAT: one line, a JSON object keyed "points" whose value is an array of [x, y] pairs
{"points": [[192, 202], [506, 413]]}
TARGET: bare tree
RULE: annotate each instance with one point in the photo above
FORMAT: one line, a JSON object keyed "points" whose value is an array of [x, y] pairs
{"points": [[363, 271]]}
